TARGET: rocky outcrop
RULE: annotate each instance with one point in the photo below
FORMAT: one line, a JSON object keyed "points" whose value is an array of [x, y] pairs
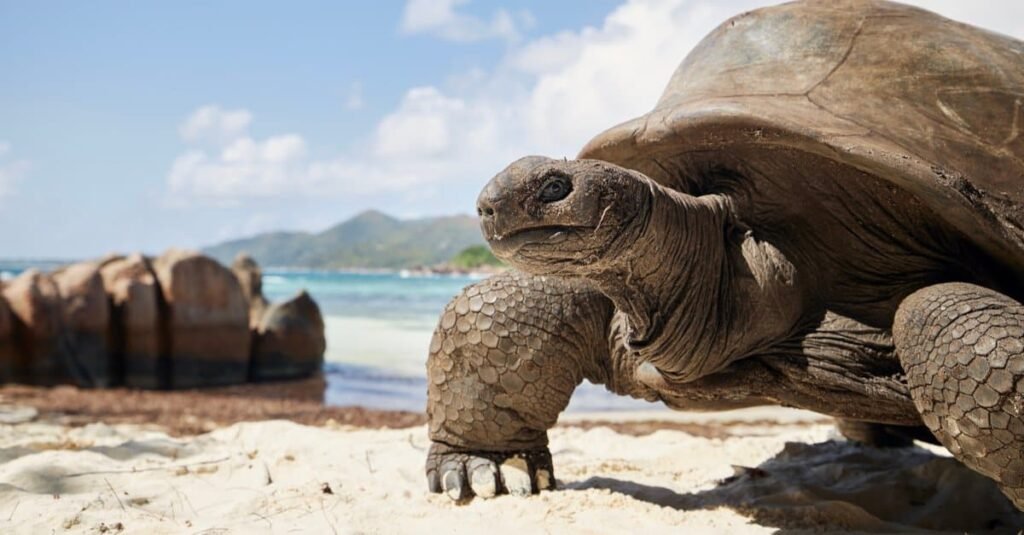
{"points": [[250, 276], [181, 320], [135, 321], [38, 329], [86, 324], [206, 321], [289, 340], [8, 351]]}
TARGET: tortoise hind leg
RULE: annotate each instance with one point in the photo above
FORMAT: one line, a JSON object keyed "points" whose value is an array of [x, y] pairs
{"points": [[961, 346]]}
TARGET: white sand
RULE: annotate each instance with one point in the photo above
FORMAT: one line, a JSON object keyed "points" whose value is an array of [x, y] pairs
{"points": [[269, 477]]}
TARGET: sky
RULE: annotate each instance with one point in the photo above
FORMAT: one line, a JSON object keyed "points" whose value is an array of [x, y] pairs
{"points": [[138, 126]]}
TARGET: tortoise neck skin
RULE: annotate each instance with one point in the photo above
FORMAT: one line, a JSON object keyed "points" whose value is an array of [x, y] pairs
{"points": [[697, 292]]}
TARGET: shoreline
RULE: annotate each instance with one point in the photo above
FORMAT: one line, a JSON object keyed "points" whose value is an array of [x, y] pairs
{"points": [[192, 412], [442, 270], [17, 266]]}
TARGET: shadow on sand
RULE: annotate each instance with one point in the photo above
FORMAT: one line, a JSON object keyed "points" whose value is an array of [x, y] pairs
{"points": [[844, 486]]}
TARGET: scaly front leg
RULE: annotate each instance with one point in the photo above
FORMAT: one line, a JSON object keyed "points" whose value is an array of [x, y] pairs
{"points": [[504, 360], [963, 349]]}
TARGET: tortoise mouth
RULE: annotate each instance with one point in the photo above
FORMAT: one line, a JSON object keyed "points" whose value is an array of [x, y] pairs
{"points": [[546, 237]]}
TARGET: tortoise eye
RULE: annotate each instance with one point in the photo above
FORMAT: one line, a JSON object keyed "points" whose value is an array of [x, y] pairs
{"points": [[555, 189]]}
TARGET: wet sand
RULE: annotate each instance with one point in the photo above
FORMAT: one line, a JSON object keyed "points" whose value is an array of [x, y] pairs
{"points": [[188, 412]]}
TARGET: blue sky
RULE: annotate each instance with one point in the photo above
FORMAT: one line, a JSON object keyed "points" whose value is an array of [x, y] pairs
{"points": [[139, 126]]}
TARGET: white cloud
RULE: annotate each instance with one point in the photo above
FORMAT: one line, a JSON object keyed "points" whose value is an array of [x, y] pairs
{"points": [[212, 123], [606, 75], [227, 171], [11, 170], [441, 18], [244, 167], [548, 96], [421, 126]]}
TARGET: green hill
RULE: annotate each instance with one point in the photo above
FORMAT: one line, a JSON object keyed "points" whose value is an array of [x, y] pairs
{"points": [[475, 257], [371, 239]]}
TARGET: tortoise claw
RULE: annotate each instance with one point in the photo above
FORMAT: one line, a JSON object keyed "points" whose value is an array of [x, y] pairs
{"points": [[463, 474]]}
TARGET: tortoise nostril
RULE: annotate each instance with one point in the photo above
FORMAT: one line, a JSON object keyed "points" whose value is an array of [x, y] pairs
{"points": [[485, 208]]}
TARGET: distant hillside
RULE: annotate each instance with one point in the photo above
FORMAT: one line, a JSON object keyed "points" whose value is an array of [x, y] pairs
{"points": [[369, 240], [475, 257]]}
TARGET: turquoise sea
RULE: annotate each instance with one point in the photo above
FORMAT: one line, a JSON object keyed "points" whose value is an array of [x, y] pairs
{"points": [[378, 328]]}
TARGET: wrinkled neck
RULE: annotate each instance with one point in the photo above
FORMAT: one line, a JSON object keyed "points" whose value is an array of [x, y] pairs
{"points": [[671, 282], [697, 291]]}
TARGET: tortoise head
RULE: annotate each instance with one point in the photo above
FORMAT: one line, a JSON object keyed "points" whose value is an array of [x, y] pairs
{"points": [[564, 217], [695, 289]]}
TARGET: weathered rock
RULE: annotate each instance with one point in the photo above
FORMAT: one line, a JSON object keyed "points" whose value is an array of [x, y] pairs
{"points": [[290, 340], [135, 321], [207, 321], [8, 350], [37, 326], [108, 259], [86, 315], [250, 276]]}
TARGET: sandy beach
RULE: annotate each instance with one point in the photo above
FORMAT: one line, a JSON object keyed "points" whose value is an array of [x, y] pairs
{"points": [[752, 471]]}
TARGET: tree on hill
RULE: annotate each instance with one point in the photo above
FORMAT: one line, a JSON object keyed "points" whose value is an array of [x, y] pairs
{"points": [[474, 257]]}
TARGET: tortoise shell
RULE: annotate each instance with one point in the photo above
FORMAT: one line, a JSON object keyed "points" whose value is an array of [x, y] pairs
{"points": [[931, 105]]}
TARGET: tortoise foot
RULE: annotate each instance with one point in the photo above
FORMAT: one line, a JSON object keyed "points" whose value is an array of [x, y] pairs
{"points": [[461, 474]]}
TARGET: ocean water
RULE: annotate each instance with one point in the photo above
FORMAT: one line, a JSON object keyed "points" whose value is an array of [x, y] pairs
{"points": [[378, 328]]}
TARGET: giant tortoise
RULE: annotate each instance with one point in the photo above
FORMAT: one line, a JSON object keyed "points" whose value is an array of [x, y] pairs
{"points": [[824, 210]]}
